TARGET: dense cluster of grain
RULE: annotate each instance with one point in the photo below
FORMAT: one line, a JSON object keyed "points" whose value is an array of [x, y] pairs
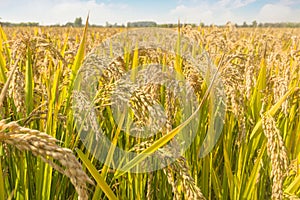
{"points": [[256, 157]]}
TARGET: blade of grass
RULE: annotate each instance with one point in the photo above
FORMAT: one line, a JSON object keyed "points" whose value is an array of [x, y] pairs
{"points": [[2, 67], [100, 181], [216, 184], [272, 111], [2, 190], [229, 174], [261, 85], [2, 58], [135, 63], [29, 84], [294, 186], [112, 147], [254, 173], [77, 63]]}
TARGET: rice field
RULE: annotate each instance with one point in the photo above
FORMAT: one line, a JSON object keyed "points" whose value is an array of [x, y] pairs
{"points": [[42, 153]]}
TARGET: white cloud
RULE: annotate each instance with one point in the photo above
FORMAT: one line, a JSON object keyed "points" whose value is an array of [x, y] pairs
{"points": [[241, 3], [99, 12], [229, 4], [218, 13], [236, 11], [289, 2], [192, 14], [278, 13], [55, 11]]}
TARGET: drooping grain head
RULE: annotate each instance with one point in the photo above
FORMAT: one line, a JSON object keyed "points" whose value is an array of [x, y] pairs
{"points": [[278, 156], [43, 145]]}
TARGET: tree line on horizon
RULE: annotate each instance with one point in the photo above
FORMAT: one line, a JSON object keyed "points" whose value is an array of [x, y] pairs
{"points": [[79, 23]]}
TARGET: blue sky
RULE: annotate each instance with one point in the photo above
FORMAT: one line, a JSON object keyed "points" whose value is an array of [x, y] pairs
{"points": [[162, 11]]}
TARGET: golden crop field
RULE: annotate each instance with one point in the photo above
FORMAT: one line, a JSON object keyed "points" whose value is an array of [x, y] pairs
{"points": [[42, 156]]}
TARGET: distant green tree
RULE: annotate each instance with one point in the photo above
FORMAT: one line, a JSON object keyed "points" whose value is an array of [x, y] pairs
{"points": [[78, 22], [69, 24], [107, 24], [254, 23]]}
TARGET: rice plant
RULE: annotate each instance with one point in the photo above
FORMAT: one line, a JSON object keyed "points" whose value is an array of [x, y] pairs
{"points": [[42, 154]]}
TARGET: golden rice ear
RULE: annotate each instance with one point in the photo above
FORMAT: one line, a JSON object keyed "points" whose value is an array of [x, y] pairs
{"points": [[43, 145], [277, 153], [183, 180], [178, 175]]}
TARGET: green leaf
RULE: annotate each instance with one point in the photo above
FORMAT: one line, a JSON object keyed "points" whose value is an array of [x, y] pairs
{"points": [[294, 186], [228, 171], [216, 184], [100, 181], [254, 174], [112, 147], [2, 191], [256, 102], [2, 58], [77, 63], [272, 111], [29, 83]]}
